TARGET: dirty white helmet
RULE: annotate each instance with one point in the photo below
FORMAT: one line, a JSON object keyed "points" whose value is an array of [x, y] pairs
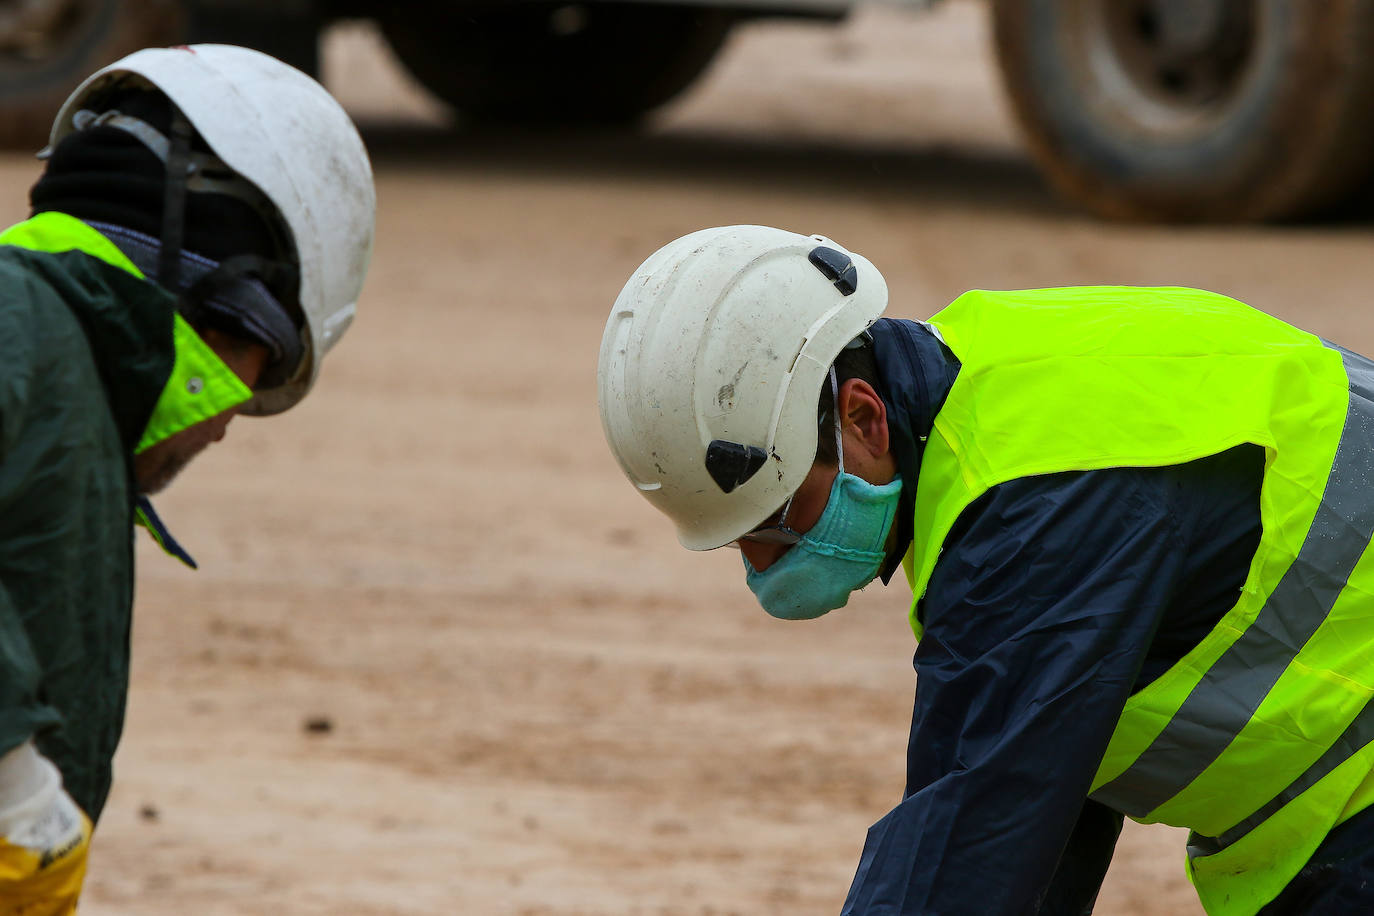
{"points": [[711, 368], [286, 135]]}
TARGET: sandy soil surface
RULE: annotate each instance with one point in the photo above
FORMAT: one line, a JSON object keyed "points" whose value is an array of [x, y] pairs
{"points": [[441, 659]]}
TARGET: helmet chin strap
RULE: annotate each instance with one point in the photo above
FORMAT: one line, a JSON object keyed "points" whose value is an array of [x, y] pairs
{"points": [[835, 407], [178, 163]]}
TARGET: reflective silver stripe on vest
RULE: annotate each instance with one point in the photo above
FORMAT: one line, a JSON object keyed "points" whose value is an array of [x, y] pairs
{"points": [[1357, 735], [1226, 698]]}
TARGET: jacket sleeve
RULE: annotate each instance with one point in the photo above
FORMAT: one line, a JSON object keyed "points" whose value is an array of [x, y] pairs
{"points": [[22, 711], [1084, 862], [1037, 620], [22, 714]]}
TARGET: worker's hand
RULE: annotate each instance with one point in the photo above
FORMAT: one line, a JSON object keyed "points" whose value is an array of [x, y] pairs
{"points": [[44, 837]]}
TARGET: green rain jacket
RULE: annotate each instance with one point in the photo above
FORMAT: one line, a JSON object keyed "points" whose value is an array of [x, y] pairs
{"points": [[95, 365]]}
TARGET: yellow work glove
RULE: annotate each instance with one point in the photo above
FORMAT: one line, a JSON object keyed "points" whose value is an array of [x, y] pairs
{"points": [[44, 837]]}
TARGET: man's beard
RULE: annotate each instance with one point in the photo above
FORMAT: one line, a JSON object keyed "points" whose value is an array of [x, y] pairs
{"points": [[157, 467]]}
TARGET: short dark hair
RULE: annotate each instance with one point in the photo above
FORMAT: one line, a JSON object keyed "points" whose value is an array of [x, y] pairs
{"points": [[852, 362]]}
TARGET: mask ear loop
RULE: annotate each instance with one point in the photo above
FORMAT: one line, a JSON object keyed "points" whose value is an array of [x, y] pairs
{"points": [[835, 401], [839, 444]]}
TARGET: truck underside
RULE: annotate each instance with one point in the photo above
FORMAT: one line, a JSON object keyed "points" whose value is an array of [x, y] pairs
{"points": [[1140, 109]]}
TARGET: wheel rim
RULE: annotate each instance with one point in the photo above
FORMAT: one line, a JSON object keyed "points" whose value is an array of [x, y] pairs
{"points": [[1165, 69], [33, 32]]}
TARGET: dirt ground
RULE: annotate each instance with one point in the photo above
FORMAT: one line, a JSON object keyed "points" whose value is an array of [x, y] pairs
{"points": [[440, 658]]}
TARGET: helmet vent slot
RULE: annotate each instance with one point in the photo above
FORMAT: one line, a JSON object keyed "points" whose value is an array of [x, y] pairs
{"points": [[732, 463]]}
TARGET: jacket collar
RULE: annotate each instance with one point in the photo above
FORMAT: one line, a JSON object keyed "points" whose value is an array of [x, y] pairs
{"points": [[127, 320], [133, 327], [159, 376], [915, 372]]}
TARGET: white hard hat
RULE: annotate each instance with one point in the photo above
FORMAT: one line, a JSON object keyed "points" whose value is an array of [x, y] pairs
{"points": [[711, 370], [285, 134]]}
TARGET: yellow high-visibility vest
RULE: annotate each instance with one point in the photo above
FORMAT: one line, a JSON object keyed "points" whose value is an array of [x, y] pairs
{"points": [[1259, 739]]}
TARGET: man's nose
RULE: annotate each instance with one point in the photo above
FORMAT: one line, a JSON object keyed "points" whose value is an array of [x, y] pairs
{"points": [[221, 427]]}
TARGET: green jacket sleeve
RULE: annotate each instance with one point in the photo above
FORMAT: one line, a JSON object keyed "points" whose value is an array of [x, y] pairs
{"points": [[66, 513], [22, 714]]}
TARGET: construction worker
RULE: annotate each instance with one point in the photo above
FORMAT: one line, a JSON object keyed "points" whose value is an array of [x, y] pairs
{"points": [[198, 241], [1135, 524]]}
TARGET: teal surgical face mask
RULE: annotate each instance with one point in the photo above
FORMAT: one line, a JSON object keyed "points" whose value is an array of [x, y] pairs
{"points": [[842, 552]]}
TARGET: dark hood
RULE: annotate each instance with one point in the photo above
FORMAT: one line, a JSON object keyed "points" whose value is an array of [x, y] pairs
{"points": [[915, 373]]}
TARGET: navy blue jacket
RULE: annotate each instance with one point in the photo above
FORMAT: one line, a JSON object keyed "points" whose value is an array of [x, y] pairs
{"points": [[1054, 599]]}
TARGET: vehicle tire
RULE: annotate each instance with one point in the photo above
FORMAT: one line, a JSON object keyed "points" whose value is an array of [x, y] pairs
{"points": [[1193, 109], [531, 63], [48, 47]]}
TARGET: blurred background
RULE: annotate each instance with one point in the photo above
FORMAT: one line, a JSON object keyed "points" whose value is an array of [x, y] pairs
{"points": [[439, 656]]}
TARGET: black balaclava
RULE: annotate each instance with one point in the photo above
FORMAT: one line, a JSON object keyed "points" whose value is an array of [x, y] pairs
{"points": [[107, 177]]}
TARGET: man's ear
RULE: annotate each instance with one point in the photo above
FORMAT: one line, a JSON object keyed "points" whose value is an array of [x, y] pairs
{"points": [[864, 415]]}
